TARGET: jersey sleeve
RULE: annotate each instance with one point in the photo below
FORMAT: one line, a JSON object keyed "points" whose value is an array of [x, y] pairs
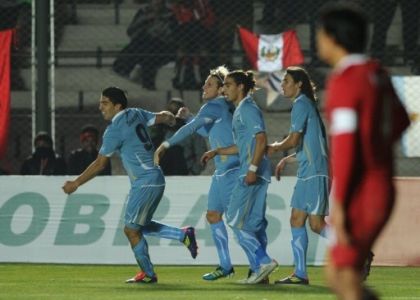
{"points": [[299, 117], [253, 119], [111, 141], [150, 117], [206, 115], [344, 120]]}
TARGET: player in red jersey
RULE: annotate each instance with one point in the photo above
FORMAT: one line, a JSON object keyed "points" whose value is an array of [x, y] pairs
{"points": [[366, 118]]}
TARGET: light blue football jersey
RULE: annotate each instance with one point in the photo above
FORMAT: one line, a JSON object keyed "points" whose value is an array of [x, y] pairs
{"points": [[312, 152], [127, 135], [247, 122], [214, 120]]}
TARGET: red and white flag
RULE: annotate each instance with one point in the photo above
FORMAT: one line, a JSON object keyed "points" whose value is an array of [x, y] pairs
{"points": [[5, 52], [271, 52]]}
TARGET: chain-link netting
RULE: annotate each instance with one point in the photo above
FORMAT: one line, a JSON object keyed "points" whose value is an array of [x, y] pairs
{"points": [[157, 50]]}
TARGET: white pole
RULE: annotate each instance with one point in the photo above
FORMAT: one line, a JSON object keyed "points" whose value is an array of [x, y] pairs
{"points": [[33, 72], [52, 69]]}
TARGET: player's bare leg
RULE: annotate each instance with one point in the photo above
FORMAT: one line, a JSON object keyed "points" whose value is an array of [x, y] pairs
{"points": [[317, 224], [345, 282]]}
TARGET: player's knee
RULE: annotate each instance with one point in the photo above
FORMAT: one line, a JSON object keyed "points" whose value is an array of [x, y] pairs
{"points": [[316, 227], [317, 223], [131, 233], [296, 221], [213, 217]]}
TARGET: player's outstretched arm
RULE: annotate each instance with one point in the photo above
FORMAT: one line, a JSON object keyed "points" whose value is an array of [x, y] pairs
{"points": [[231, 150], [181, 134], [90, 172], [165, 117], [291, 141]]}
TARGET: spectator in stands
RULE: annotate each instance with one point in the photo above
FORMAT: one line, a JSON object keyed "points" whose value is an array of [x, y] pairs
{"points": [[195, 37], [44, 161], [81, 158], [151, 43], [184, 158], [3, 171], [383, 14], [283, 14]]}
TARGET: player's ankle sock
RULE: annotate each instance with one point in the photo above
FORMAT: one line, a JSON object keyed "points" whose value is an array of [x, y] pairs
{"points": [[300, 247], [262, 256], [141, 252], [262, 238], [220, 237], [163, 231]]}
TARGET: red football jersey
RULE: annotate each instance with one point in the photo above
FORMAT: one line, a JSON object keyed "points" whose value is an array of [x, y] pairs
{"points": [[366, 117]]}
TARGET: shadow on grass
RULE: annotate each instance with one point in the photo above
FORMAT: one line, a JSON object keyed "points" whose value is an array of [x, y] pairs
{"points": [[230, 286]]}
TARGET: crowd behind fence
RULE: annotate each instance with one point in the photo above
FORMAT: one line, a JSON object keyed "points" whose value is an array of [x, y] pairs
{"points": [[157, 50]]}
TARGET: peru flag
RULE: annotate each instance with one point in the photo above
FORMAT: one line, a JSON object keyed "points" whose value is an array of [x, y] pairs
{"points": [[5, 42], [271, 52]]}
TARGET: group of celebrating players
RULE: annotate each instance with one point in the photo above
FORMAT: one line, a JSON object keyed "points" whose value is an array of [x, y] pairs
{"points": [[365, 119]]}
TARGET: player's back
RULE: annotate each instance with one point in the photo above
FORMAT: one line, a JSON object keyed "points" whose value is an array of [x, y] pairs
{"points": [[128, 135], [366, 88]]}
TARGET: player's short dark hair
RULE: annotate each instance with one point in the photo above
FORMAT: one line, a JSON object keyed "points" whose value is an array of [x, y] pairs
{"points": [[347, 24], [115, 95]]}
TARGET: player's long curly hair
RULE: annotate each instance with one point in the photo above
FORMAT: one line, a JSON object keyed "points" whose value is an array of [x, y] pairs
{"points": [[308, 87], [243, 77]]}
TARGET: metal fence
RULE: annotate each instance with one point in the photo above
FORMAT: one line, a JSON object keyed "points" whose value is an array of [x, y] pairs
{"points": [[158, 49]]}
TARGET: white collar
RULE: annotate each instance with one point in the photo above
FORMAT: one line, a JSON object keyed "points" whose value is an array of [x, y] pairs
{"points": [[298, 97], [117, 114], [246, 98]]}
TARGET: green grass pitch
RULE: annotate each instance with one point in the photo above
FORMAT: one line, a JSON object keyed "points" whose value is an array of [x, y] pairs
{"points": [[46, 281]]}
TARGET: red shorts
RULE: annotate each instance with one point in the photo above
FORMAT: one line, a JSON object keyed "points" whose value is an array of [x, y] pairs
{"points": [[367, 213]]}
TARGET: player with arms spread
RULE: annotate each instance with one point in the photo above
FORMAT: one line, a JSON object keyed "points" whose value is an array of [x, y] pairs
{"points": [[128, 136], [366, 118], [214, 120]]}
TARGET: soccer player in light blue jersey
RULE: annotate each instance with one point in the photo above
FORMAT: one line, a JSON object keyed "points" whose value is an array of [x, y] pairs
{"points": [[214, 120], [246, 211], [310, 197], [127, 135]]}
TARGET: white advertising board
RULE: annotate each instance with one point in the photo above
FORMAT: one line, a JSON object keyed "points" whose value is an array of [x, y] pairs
{"points": [[39, 223]]}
